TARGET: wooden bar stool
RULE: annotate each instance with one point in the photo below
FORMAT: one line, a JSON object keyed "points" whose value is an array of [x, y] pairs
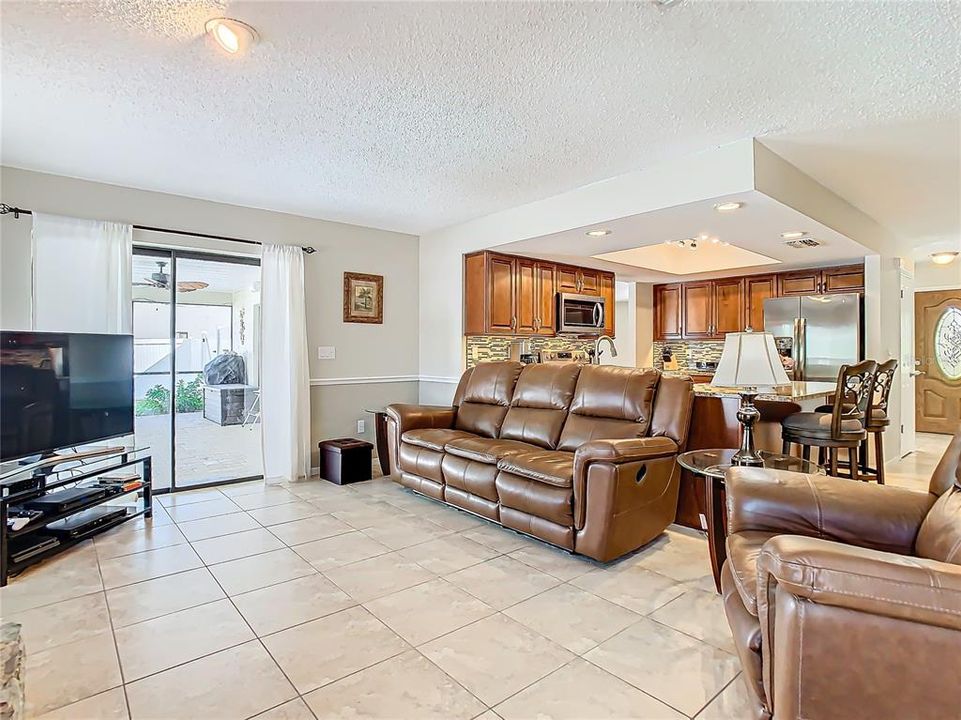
{"points": [[842, 427], [877, 421]]}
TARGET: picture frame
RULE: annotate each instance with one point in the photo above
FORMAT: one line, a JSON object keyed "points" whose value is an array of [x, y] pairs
{"points": [[363, 298]]}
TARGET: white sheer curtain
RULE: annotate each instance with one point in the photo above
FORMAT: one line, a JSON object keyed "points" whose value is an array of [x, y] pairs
{"points": [[81, 275], [285, 383]]}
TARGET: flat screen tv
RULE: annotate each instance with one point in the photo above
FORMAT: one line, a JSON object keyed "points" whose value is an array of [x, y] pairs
{"points": [[59, 390]]}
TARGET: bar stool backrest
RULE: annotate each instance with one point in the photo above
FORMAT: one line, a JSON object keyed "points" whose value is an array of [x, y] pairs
{"points": [[883, 379], [853, 395]]}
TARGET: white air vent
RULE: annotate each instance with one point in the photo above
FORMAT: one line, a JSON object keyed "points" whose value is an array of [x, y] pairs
{"points": [[805, 242]]}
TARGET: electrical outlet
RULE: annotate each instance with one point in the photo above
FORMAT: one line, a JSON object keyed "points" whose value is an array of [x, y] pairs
{"points": [[361, 427], [326, 352]]}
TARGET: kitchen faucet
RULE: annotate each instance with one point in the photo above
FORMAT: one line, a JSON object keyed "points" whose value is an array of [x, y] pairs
{"points": [[596, 357]]}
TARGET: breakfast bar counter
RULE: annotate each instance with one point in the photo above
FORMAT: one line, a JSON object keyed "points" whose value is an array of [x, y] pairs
{"points": [[797, 391], [714, 424]]}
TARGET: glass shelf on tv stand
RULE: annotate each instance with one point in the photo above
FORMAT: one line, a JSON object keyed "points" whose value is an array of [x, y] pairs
{"points": [[62, 467]]}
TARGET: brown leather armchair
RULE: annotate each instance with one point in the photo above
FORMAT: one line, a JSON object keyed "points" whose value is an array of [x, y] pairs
{"points": [[844, 599]]}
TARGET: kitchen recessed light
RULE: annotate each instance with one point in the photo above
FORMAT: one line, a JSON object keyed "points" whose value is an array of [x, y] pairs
{"points": [[598, 233], [793, 234], [231, 35], [943, 258], [728, 206]]}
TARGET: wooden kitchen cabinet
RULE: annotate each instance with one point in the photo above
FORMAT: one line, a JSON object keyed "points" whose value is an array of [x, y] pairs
{"points": [[545, 284], [567, 279], [582, 281], [590, 282], [757, 289], [668, 323], [500, 301], [525, 297], [800, 282], [709, 309], [513, 295], [728, 306], [844, 279], [713, 308], [698, 312], [606, 291]]}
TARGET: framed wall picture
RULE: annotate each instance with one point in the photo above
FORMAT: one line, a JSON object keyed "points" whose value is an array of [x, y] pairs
{"points": [[363, 298]]}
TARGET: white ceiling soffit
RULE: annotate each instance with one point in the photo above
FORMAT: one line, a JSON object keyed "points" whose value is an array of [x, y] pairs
{"points": [[415, 116], [907, 175], [756, 227]]}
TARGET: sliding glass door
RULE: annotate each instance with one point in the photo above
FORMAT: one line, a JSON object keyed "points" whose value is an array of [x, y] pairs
{"points": [[197, 340]]}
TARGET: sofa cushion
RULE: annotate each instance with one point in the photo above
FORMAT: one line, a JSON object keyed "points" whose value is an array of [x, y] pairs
{"points": [[433, 438], [536, 498], [815, 423], [475, 478], [553, 467], [486, 396], [486, 450], [539, 406], [420, 461], [609, 403], [743, 549]]}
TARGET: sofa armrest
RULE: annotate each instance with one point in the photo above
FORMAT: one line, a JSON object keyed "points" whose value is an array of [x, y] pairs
{"points": [[870, 581], [416, 417], [622, 451], [633, 480], [872, 516]]}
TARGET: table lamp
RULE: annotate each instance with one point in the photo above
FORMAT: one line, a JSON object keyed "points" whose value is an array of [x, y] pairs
{"points": [[749, 360]]}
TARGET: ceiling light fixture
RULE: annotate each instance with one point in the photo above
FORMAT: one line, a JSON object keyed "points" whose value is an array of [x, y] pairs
{"points": [[692, 243], [598, 233], [728, 206], [943, 258], [793, 234], [231, 35]]}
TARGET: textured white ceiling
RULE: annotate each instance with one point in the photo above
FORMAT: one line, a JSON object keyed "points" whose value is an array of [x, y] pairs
{"points": [[413, 116]]}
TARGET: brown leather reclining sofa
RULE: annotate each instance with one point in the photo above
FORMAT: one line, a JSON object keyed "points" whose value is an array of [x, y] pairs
{"points": [[844, 598], [582, 457]]}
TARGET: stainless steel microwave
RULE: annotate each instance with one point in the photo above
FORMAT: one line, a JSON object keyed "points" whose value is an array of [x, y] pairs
{"points": [[580, 313]]}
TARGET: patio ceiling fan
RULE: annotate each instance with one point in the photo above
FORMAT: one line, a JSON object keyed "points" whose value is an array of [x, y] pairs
{"points": [[161, 280]]}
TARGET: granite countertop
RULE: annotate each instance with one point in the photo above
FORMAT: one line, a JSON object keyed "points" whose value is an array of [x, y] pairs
{"points": [[797, 390]]}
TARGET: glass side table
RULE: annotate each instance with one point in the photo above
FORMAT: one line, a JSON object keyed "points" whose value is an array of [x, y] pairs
{"points": [[380, 436], [712, 466]]}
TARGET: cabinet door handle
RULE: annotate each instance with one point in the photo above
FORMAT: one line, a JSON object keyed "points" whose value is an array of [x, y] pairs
{"points": [[514, 322]]}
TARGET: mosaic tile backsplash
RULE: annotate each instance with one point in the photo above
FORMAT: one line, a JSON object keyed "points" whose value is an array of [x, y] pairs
{"points": [[687, 352], [482, 348]]}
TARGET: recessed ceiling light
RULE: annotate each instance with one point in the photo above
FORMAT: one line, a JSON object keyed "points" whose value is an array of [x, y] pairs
{"points": [[728, 206], [231, 35], [943, 258], [598, 233], [793, 234]]}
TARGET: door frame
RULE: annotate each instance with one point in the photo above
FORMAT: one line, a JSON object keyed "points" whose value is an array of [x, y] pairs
{"points": [[172, 254], [917, 339]]}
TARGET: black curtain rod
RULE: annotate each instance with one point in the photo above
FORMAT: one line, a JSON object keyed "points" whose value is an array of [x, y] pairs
{"points": [[17, 212]]}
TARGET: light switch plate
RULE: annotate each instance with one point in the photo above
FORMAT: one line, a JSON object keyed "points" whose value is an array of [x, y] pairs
{"points": [[326, 352], [361, 427]]}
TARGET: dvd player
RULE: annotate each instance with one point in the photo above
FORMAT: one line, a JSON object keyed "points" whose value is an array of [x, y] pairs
{"points": [[83, 522], [63, 500]]}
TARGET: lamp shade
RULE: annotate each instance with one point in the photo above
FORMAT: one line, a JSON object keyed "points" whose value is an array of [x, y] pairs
{"points": [[749, 359]]}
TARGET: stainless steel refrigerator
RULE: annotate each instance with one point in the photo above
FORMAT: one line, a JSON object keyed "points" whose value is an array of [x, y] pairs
{"points": [[819, 332]]}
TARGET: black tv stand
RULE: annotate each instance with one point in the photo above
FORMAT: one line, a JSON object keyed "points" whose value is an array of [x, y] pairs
{"points": [[60, 471]]}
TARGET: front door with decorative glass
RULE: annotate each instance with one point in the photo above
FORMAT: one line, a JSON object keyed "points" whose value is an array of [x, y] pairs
{"points": [[938, 354]]}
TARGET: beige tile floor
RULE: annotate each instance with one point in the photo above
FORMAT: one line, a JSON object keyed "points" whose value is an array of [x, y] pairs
{"points": [[316, 601]]}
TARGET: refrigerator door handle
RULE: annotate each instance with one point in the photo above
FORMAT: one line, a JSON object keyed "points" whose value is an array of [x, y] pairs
{"points": [[800, 342]]}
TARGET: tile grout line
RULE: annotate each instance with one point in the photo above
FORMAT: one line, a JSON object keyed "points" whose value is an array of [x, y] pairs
{"points": [[113, 635]]}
